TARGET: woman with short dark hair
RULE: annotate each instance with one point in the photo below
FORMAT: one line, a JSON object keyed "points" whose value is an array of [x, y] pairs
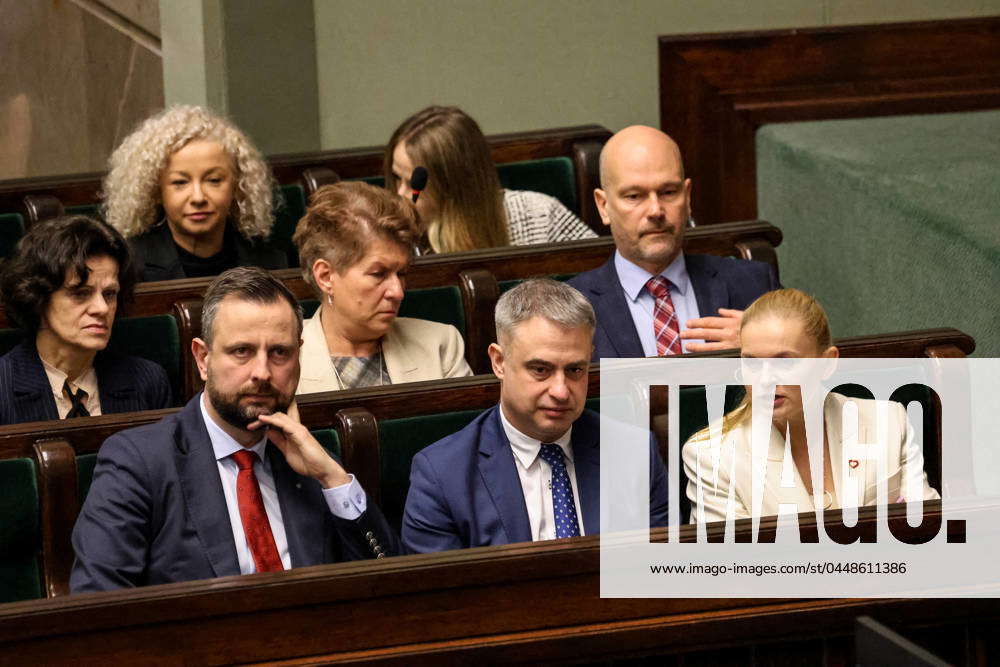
{"points": [[62, 287], [355, 245]]}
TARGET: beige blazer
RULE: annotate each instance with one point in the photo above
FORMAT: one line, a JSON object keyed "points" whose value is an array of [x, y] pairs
{"points": [[414, 350], [855, 471]]}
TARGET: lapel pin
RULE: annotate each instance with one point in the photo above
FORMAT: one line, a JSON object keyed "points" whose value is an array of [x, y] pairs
{"points": [[853, 463]]}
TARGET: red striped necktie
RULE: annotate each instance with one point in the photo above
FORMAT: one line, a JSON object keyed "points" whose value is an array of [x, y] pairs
{"points": [[665, 327]]}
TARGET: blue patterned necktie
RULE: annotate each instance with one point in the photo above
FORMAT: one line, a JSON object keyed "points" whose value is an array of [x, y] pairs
{"points": [[563, 505]]}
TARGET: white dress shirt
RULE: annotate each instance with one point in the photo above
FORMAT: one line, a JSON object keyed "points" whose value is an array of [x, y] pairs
{"points": [[536, 479], [640, 302], [86, 381], [346, 501]]}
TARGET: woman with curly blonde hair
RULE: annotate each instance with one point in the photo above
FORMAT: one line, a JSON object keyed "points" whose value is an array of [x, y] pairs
{"points": [[192, 195]]}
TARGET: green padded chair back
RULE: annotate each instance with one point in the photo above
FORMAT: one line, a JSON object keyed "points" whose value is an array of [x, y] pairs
{"points": [[377, 181], [438, 304], [20, 531], [399, 441], [553, 176], [153, 337], [287, 213], [11, 231], [85, 464], [328, 438]]}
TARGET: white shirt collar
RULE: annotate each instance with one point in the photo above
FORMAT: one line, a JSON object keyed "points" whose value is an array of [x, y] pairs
{"points": [[87, 380], [526, 448], [223, 444], [634, 278]]}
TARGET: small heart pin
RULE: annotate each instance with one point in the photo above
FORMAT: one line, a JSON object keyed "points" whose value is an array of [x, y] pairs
{"points": [[853, 463]]}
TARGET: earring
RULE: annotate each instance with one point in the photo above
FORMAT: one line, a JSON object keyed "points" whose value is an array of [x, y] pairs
{"points": [[329, 299]]}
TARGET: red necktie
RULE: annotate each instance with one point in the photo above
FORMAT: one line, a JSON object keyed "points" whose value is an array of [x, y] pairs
{"points": [[665, 328], [256, 527]]}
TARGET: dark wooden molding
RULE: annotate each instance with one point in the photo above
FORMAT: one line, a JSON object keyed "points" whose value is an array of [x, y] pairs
{"points": [[480, 292], [41, 207], [577, 143], [356, 429], [717, 89], [60, 504], [530, 603], [187, 312]]}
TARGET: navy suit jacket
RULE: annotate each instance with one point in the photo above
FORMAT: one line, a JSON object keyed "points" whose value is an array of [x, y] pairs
{"points": [[156, 512], [465, 490], [125, 384], [719, 282]]}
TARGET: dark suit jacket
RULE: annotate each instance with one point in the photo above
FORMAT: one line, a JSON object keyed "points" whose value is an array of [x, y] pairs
{"points": [[126, 384], [156, 512], [719, 282], [156, 258], [465, 490]]}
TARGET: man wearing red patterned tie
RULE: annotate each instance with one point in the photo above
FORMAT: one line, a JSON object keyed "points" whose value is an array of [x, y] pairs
{"points": [[650, 297], [233, 483]]}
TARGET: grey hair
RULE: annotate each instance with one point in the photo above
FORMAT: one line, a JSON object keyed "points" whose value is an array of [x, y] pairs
{"points": [[542, 297], [249, 283]]}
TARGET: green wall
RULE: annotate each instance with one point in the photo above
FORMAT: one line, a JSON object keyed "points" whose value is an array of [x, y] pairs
{"points": [[530, 64]]}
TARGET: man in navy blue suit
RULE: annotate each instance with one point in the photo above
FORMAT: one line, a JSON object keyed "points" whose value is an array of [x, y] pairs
{"points": [[529, 468], [231, 484], [645, 198]]}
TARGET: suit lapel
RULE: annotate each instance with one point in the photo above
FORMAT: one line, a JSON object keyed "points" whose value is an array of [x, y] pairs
{"points": [[116, 386], [398, 362], [199, 475], [499, 472], [306, 541], [710, 293], [33, 400], [613, 315], [587, 462]]}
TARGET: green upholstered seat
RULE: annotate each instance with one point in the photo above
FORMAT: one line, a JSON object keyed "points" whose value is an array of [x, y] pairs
{"points": [[20, 531], [328, 438], [288, 210], [153, 337], [399, 441], [438, 304], [377, 181], [553, 176], [85, 464], [11, 231]]}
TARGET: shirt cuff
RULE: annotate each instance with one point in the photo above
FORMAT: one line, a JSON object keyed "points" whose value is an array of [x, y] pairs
{"points": [[347, 501]]}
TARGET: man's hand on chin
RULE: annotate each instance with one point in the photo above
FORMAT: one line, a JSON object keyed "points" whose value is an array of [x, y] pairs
{"points": [[302, 451], [719, 333]]}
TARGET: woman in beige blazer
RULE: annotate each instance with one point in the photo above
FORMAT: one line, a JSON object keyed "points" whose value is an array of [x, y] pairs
{"points": [[791, 324], [355, 245]]}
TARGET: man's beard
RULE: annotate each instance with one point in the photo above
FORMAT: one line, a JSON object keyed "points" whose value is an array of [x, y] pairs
{"points": [[229, 407]]}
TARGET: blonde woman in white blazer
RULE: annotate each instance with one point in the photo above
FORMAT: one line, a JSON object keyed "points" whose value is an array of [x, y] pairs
{"points": [[791, 324], [355, 245]]}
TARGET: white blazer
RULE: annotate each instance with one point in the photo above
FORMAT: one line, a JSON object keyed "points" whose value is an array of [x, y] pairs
{"points": [[855, 471], [414, 350]]}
